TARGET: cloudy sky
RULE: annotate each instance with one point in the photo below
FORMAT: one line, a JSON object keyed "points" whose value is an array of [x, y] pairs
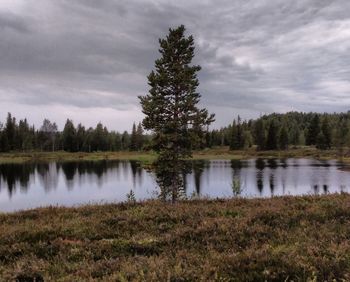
{"points": [[87, 60]]}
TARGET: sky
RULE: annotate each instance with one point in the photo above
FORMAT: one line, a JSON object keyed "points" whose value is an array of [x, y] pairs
{"points": [[88, 60]]}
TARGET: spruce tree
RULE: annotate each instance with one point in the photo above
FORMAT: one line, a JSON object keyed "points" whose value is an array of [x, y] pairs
{"points": [[260, 134], [133, 138], [80, 137], [313, 130], [234, 144], [240, 139], [125, 141], [49, 131], [283, 138], [171, 108], [139, 137], [68, 137], [321, 141], [326, 130], [10, 131], [271, 142]]}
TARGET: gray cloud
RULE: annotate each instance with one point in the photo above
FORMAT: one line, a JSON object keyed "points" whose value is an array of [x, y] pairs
{"points": [[92, 57]]}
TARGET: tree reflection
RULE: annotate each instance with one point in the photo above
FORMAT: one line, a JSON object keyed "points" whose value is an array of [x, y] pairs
{"points": [[272, 163], [325, 189], [11, 174], [48, 175], [260, 166], [136, 171], [69, 169], [236, 166], [169, 176], [198, 168], [272, 184]]}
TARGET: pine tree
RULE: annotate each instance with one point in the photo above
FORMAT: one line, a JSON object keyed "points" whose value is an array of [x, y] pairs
{"points": [[240, 139], [321, 141], [283, 138], [118, 142], [260, 134], [133, 138], [313, 130], [171, 105], [49, 130], [99, 142], [326, 130], [234, 144], [10, 131], [247, 139], [237, 138], [68, 137], [125, 141], [139, 137], [271, 142], [80, 136]]}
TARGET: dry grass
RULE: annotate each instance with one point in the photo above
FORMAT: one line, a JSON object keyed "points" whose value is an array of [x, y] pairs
{"points": [[278, 239]]}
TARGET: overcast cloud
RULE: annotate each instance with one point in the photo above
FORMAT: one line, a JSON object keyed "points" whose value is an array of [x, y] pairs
{"points": [[88, 60]]}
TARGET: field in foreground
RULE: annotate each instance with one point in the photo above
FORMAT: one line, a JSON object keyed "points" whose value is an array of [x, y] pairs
{"points": [[278, 239]]}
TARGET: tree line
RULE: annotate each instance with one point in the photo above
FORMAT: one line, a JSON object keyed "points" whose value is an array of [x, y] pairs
{"points": [[281, 131], [269, 132], [21, 136]]}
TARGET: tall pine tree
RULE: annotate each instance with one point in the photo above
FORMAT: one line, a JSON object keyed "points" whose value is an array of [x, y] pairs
{"points": [[171, 106]]}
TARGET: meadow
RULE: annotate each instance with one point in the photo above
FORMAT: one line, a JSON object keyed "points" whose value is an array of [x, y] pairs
{"points": [[277, 239]]}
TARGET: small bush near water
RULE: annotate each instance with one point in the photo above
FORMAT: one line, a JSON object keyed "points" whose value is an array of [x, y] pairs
{"points": [[279, 239]]}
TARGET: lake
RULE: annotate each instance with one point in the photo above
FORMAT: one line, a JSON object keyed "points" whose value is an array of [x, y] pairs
{"points": [[30, 185]]}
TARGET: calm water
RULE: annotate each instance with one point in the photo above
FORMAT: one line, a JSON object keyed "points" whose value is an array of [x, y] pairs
{"points": [[24, 186]]}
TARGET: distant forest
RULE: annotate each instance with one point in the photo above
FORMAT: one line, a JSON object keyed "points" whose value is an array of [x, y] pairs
{"points": [[281, 131], [269, 132], [20, 136]]}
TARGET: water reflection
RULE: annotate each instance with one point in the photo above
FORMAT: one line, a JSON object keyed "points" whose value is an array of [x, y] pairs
{"points": [[14, 175], [171, 175], [48, 175], [260, 165], [198, 169], [69, 183], [272, 183]]}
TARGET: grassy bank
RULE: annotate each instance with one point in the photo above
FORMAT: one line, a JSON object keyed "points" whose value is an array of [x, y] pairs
{"points": [[216, 153], [17, 157], [278, 239]]}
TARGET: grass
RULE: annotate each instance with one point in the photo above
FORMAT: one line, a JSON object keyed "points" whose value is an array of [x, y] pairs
{"points": [[279, 239], [17, 157], [148, 157]]}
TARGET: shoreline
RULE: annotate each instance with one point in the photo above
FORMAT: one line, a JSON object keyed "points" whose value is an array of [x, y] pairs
{"points": [[149, 157]]}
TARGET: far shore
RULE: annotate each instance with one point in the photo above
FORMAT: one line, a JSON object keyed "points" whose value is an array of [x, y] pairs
{"points": [[149, 156]]}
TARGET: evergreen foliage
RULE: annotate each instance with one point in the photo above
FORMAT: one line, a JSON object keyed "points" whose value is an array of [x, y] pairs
{"points": [[335, 129], [171, 109], [283, 138], [171, 105], [24, 137], [272, 135], [313, 130]]}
